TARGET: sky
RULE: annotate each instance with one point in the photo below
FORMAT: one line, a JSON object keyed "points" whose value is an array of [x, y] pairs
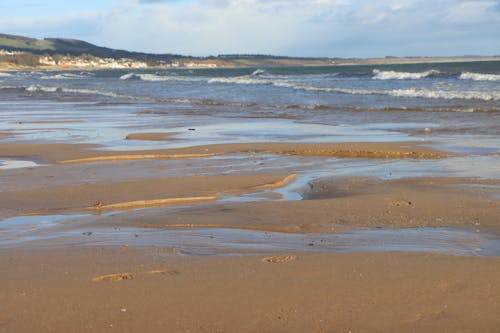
{"points": [[317, 28]]}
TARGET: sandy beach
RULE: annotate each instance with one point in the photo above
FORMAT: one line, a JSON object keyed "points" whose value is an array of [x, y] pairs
{"points": [[151, 289]]}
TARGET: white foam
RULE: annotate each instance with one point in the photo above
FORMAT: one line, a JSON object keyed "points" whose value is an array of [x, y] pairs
{"points": [[240, 80], [63, 76], [393, 75], [414, 93], [157, 78], [258, 72], [479, 76], [127, 76], [49, 89], [442, 94], [38, 88], [3, 74]]}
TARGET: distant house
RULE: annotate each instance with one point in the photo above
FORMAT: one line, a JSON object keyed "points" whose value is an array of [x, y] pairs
{"points": [[200, 65], [100, 63], [47, 61]]}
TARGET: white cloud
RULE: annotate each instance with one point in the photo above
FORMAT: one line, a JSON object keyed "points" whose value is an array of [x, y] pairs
{"points": [[473, 11], [292, 27]]}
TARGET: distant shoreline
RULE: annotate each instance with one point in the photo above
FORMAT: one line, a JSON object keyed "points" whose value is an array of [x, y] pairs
{"points": [[402, 61], [244, 63]]}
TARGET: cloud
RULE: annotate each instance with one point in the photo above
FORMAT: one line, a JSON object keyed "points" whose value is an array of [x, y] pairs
{"points": [[473, 11], [288, 27]]}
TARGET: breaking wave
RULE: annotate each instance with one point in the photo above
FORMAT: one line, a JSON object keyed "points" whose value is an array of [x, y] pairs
{"points": [[50, 89], [258, 72], [479, 76], [63, 76], [413, 93], [240, 80], [416, 93], [393, 75], [3, 74], [157, 78]]}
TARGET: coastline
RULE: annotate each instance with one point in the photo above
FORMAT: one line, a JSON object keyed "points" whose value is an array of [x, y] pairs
{"points": [[291, 62]]}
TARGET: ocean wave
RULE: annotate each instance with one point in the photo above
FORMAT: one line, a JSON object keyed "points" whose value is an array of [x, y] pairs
{"points": [[63, 76], [247, 79], [409, 93], [421, 93], [9, 87], [258, 72], [393, 75], [56, 89], [43, 89], [157, 78], [479, 76], [444, 94], [3, 74]]}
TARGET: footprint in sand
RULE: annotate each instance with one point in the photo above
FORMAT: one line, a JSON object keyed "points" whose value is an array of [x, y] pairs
{"points": [[279, 259], [113, 277], [400, 203]]}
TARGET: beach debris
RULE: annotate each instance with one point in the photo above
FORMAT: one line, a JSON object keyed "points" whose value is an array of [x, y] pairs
{"points": [[87, 233], [113, 277], [279, 259], [98, 204]]}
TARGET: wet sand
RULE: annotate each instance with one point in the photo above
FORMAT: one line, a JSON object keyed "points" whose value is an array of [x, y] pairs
{"points": [[59, 153], [343, 205], [165, 136], [150, 289], [77, 198]]}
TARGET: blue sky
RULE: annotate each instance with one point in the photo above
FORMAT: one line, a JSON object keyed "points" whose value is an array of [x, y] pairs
{"points": [[343, 28]]}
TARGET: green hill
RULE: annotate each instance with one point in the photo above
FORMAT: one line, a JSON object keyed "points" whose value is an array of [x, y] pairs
{"points": [[73, 47]]}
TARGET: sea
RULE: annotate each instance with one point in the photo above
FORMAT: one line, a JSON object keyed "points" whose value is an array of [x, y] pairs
{"points": [[453, 106]]}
